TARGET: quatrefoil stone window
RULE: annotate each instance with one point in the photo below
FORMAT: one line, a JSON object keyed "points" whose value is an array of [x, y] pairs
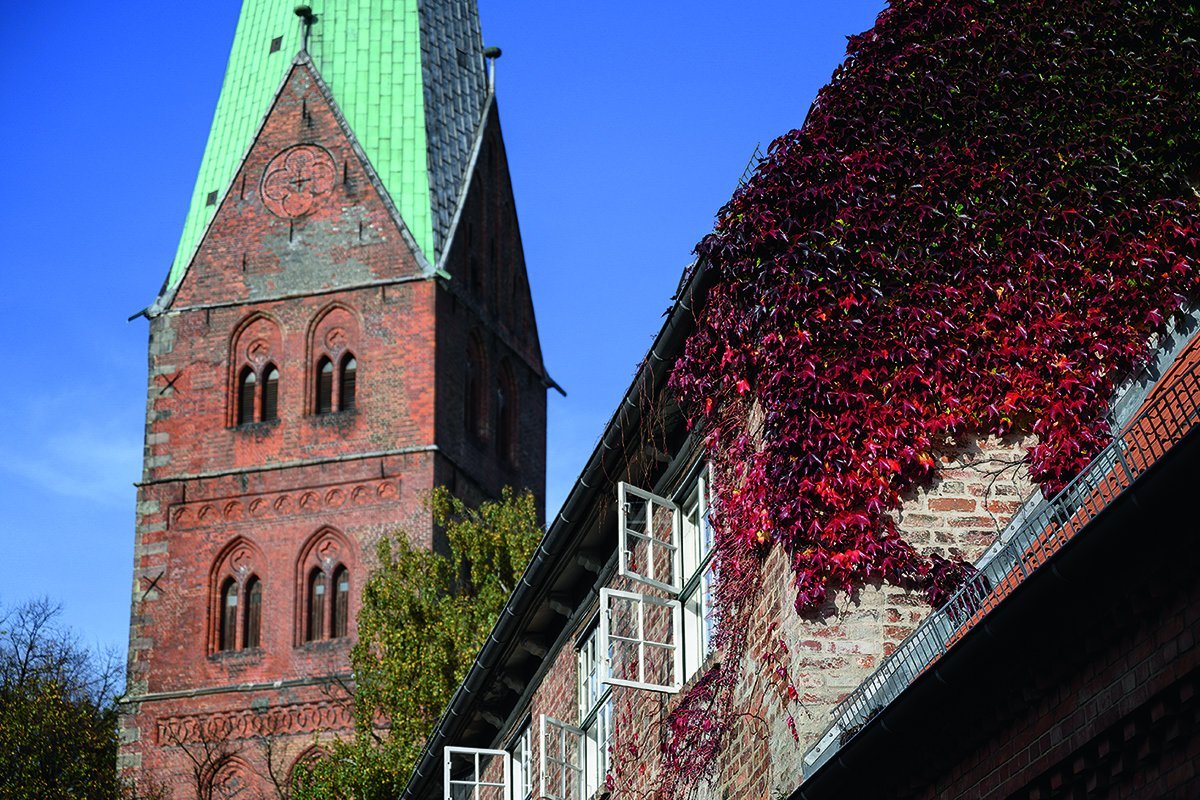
{"points": [[297, 180]]}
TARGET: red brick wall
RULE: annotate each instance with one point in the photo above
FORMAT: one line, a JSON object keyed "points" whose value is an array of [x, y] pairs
{"points": [[1109, 709], [487, 299]]}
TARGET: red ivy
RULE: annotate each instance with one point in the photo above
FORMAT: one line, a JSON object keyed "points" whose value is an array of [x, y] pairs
{"points": [[985, 217]]}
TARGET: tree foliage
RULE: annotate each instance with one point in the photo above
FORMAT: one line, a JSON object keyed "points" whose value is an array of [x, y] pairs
{"points": [[424, 616], [58, 718]]}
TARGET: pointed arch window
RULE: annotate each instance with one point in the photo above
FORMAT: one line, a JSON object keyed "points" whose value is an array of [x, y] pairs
{"points": [[247, 382], [252, 624], [270, 394], [237, 592], [323, 583], [254, 377], [348, 383], [227, 640], [324, 400], [506, 415], [317, 591], [474, 405], [341, 603], [257, 395]]}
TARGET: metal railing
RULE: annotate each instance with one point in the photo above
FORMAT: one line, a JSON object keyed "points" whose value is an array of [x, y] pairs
{"points": [[1030, 539], [751, 164]]}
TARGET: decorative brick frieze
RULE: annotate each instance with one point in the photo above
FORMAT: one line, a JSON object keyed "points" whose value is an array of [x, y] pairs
{"points": [[236, 725], [255, 508]]}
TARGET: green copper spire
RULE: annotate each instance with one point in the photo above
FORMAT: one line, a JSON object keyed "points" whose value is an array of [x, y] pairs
{"points": [[408, 76]]}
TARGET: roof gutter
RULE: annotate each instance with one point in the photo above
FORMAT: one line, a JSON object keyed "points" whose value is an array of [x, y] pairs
{"points": [[558, 535]]}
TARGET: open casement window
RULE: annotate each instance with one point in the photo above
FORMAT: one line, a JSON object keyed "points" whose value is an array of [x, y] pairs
{"points": [[699, 576], [649, 548], [562, 760], [521, 750], [640, 639], [473, 774]]}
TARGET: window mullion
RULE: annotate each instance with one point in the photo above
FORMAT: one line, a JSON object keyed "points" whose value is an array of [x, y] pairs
{"points": [[641, 610]]}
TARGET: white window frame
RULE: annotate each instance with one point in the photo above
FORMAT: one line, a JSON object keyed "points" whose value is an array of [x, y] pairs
{"points": [[690, 587], [626, 495], [551, 726], [477, 782], [675, 646], [521, 751], [699, 564], [595, 712], [597, 736]]}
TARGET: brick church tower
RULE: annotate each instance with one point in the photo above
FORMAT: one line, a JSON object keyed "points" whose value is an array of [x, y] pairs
{"points": [[347, 323]]}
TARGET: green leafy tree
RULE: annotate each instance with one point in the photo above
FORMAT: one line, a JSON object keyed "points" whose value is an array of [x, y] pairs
{"points": [[424, 616], [58, 716]]}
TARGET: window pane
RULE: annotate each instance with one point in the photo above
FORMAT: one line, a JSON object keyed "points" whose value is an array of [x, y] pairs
{"points": [[648, 533], [473, 399], [253, 612], [562, 761], [590, 687], [229, 601], [270, 394], [245, 401], [707, 608], [341, 602], [349, 383], [324, 398], [506, 416], [596, 743], [522, 763], [640, 640], [316, 606], [473, 774]]}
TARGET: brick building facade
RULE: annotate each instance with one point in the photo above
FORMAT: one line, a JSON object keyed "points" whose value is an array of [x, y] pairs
{"points": [[348, 325], [1036, 680]]}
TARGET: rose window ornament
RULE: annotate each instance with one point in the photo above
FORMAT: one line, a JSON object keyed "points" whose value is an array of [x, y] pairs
{"points": [[296, 180]]}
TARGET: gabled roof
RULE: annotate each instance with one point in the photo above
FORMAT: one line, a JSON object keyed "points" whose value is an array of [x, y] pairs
{"points": [[407, 75]]}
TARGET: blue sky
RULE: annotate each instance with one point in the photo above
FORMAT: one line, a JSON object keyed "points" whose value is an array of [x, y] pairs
{"points": [[627, 127]]}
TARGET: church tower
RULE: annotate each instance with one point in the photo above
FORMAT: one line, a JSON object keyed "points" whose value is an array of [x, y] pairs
{"points": [[347, 323]]}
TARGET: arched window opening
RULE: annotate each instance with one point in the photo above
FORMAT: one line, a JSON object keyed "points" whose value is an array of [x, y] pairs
{"points": [[245, 401], [506, 416], [348, 382], [227, 636], [252, 625], [324, 386], [476, 280], [341, 603], [474, 391], [316, 606], [270, 394]]}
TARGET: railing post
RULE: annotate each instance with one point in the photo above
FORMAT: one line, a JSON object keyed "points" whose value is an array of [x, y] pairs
{"points": [[1120, 451]]}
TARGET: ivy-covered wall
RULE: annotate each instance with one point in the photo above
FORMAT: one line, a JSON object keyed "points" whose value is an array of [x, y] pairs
{"points": [[985, 220], [750, 741]]}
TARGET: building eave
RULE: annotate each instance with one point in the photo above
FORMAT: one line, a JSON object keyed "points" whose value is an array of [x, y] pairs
{"points": [[561, 541]]}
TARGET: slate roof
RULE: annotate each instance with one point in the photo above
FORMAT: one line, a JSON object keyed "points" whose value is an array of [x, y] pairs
{"points": [[408, 75]]}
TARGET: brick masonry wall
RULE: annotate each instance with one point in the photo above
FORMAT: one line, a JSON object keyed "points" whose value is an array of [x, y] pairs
{"points": [[1117, 721], [960, 514], [488, 298]]}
